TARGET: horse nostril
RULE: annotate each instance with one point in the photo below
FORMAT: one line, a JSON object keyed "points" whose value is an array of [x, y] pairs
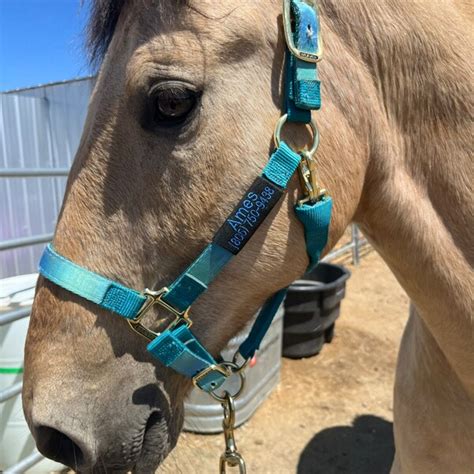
{"points": [[58, 447], [152, 421]]}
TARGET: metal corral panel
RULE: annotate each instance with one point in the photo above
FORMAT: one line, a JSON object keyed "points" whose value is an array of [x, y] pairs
{"points": [[39, 128]]}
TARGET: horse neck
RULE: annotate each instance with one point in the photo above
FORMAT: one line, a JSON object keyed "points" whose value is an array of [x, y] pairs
{"points": [[418, 197]]}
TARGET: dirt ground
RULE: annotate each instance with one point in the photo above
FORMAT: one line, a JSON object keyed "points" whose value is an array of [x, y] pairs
{"points": [[331, 413]]}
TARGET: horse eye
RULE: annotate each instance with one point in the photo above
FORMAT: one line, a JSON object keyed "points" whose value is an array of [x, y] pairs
{"points": [[171, 103]]}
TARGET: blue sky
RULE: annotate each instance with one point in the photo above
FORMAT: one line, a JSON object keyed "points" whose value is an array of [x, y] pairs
{"points": [[41, 41]]}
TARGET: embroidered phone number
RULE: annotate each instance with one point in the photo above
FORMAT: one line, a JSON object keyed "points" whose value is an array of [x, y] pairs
{"points": [[248, 216]]}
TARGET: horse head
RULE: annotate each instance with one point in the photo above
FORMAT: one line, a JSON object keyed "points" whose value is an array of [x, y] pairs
{"points": [[179, 124]]}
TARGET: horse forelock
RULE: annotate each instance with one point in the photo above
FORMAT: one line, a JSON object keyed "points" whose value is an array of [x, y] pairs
{"points": [[103, 18]]}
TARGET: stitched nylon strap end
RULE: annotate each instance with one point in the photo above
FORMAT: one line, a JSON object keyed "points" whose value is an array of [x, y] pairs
{"points": [[180, 350], [315, 219]]}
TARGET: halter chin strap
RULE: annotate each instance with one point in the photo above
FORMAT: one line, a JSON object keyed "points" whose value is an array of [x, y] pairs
{"points": [[176, 346]]}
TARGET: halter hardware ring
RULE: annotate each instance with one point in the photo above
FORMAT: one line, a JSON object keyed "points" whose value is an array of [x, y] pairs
{"points": [[231, 369], [156, 297], [314, 128]]}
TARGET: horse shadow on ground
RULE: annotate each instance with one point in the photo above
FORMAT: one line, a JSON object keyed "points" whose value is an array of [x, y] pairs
{"points": [[366, 447]]}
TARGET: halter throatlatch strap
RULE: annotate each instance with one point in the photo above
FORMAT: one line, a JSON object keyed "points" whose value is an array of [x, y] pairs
{"points": [[176, 346]]}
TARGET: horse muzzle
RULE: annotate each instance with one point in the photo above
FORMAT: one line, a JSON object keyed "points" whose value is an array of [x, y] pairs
{"points": [[130, 433]]}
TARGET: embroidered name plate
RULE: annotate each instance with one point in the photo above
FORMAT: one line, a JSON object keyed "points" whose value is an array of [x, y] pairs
{"points": [[249, 213]]}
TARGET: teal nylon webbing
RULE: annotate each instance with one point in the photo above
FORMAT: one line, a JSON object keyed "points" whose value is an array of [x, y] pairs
{"points": [[91, 286], [180, 350], [315, 219], [181, 355], [196, 278], [282, 165], [176, 348], [265, 317]]}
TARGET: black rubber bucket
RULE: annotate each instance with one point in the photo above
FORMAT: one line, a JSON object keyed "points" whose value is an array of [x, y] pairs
{"points": [[311, 309]]}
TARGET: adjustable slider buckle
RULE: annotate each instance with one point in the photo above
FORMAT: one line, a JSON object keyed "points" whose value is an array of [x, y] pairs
{"points": [[309, 179], [225, 368], [152, 298], [222, 369], [290, 42]]}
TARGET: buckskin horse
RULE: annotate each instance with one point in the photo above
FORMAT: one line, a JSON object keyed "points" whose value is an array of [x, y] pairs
{"points": [[179, 124]]}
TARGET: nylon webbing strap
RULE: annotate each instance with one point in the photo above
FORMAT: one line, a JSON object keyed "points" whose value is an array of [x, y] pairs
{"points": [[315, 218], [302, 94], [89, 285], [185, 354], [265, 317], [237, 229], [180, 350]]}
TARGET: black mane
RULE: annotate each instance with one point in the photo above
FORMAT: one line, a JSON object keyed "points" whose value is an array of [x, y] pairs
{"points": [[103, 18]]}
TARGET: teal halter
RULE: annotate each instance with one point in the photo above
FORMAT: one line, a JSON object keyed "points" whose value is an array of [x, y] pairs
{"points": [[177, 347]]}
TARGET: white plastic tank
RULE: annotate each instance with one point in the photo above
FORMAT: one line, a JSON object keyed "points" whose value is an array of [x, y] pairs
{"points": [[16, 442]]}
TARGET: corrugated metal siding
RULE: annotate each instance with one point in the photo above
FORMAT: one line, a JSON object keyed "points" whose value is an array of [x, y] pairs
{"points": [[39, 128]]}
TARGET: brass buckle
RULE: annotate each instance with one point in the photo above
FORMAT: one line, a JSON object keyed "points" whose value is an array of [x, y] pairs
{"points": [[152, 298], [303, 55], [225, 371]]}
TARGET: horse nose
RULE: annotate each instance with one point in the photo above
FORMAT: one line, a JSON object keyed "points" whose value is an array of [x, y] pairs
{"points": [[86, 439], [80, 450]]}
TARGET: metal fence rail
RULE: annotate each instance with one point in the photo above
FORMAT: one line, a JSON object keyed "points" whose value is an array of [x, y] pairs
{"points": [[10, 392], [353, 246], [14, 315], [33, 172], [19, 468], [25, 241]]}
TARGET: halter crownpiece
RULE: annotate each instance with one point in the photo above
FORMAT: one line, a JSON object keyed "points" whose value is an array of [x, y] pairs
{"points": [[176, 346]]}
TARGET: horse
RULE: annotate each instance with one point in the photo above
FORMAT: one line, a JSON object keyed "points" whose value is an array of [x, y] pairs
{"points": [[179, 123]]}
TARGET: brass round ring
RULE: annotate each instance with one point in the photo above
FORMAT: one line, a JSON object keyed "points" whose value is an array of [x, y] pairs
{"points": [[314, 129], [235, 369]]}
